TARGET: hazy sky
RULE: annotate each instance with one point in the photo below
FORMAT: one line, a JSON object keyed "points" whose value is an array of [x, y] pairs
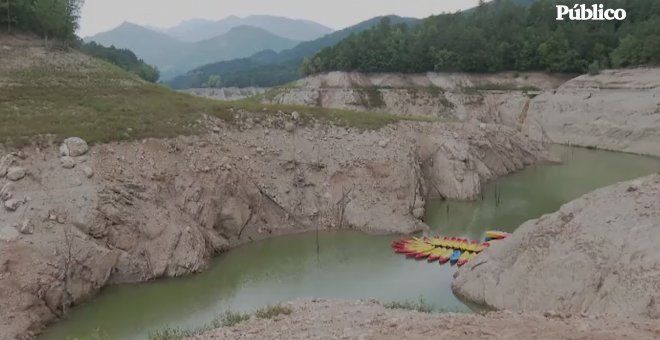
{"points": [[102, 15]]}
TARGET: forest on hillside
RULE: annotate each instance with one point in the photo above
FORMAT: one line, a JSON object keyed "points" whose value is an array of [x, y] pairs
{"points": [[499, 36], [58, 20], [50, 19], [123, 58]]}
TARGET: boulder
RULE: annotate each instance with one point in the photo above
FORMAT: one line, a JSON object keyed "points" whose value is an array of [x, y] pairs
{"points": [[76, 146], [26, 227], [12, 204], [67, 162], [88, 172], [5, 163], [15, 173], [64, 150], [598, 254], [7, 191], [289, 127]]}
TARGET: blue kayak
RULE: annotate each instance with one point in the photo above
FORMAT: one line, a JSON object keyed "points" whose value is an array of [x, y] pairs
{"points": [[455, 256]]}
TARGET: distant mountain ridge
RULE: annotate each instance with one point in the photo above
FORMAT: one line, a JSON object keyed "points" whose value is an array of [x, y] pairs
{"points": [[202, 29], [174, 57], [268, 68]]}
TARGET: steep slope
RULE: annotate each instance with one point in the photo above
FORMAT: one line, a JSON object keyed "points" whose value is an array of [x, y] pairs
{"points": [[597, 254], [133, 208], [614, 110], [201, 29], [173, 57], [490, 98], [154, 47], [270, 69]]}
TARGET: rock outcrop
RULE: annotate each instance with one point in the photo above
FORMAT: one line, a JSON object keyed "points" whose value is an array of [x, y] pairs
{"points": [[162, 208], [489, 98], [337, 319], [597, 254], [614, 110], [225, 93]]}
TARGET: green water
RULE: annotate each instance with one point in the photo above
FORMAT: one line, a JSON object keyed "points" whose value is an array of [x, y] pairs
{"points": [[348, 264]]}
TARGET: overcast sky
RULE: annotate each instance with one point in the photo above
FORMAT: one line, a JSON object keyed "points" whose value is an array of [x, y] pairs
{"points": [[103, 15]]}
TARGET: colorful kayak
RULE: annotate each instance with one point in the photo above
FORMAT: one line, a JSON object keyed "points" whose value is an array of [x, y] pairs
{"points": [[444, 257], [496, 235], [464, 258], [445, 249], [455, 256]]}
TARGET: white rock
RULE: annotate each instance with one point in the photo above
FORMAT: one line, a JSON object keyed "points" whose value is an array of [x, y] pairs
{"points": [[289, 127], [12, 204], [418, 213], [383, 143], [6, 162], [8, 233], [64, 150], [27, 227], [295, 115], [15, 173], [88, 172], [67, 162], [77, 146], [7, 191]]}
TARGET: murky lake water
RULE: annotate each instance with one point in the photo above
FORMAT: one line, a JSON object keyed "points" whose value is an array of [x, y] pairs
{"points": [[348, 264]]}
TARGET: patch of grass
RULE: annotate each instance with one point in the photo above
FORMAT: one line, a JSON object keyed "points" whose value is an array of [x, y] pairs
{"points": [[421, 305], [270, 312], [227, 319], [230, 318], [100, 102], [501, 87]]}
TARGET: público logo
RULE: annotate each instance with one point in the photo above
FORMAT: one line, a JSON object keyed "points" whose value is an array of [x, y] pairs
{"points": [[595, 12]]}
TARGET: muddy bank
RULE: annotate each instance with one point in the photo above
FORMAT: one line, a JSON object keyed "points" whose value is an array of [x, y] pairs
{"points": [[336, 319], [597, 254], [614, 110], [491, 98], [129, 212]]}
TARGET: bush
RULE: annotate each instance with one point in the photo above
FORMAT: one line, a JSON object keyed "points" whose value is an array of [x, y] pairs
{"points": [[270, 312], [421, 305]]}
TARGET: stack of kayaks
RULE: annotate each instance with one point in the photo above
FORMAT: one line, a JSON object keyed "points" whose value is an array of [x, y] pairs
{"points": [[454, 250]]}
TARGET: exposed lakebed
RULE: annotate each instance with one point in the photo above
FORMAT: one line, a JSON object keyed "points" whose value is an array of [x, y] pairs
{"points": [[346, 264]]}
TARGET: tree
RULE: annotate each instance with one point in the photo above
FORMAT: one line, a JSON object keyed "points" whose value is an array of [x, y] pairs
{"points": [[214, 81]]}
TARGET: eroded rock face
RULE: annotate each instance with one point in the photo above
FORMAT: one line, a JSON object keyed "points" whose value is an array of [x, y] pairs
{"points": [[598, 254], [163, 208], [614, 110], [491, 98]]}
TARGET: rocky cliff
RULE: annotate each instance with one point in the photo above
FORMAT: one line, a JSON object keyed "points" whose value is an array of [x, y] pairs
{"points": [[225, 93], [614, 110], [597, 254], [74, 220], [490, 98]]}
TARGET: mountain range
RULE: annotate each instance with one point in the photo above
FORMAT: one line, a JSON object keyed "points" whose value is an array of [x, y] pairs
{"points": [[202, 29], [174, 57], [269, 68]]}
